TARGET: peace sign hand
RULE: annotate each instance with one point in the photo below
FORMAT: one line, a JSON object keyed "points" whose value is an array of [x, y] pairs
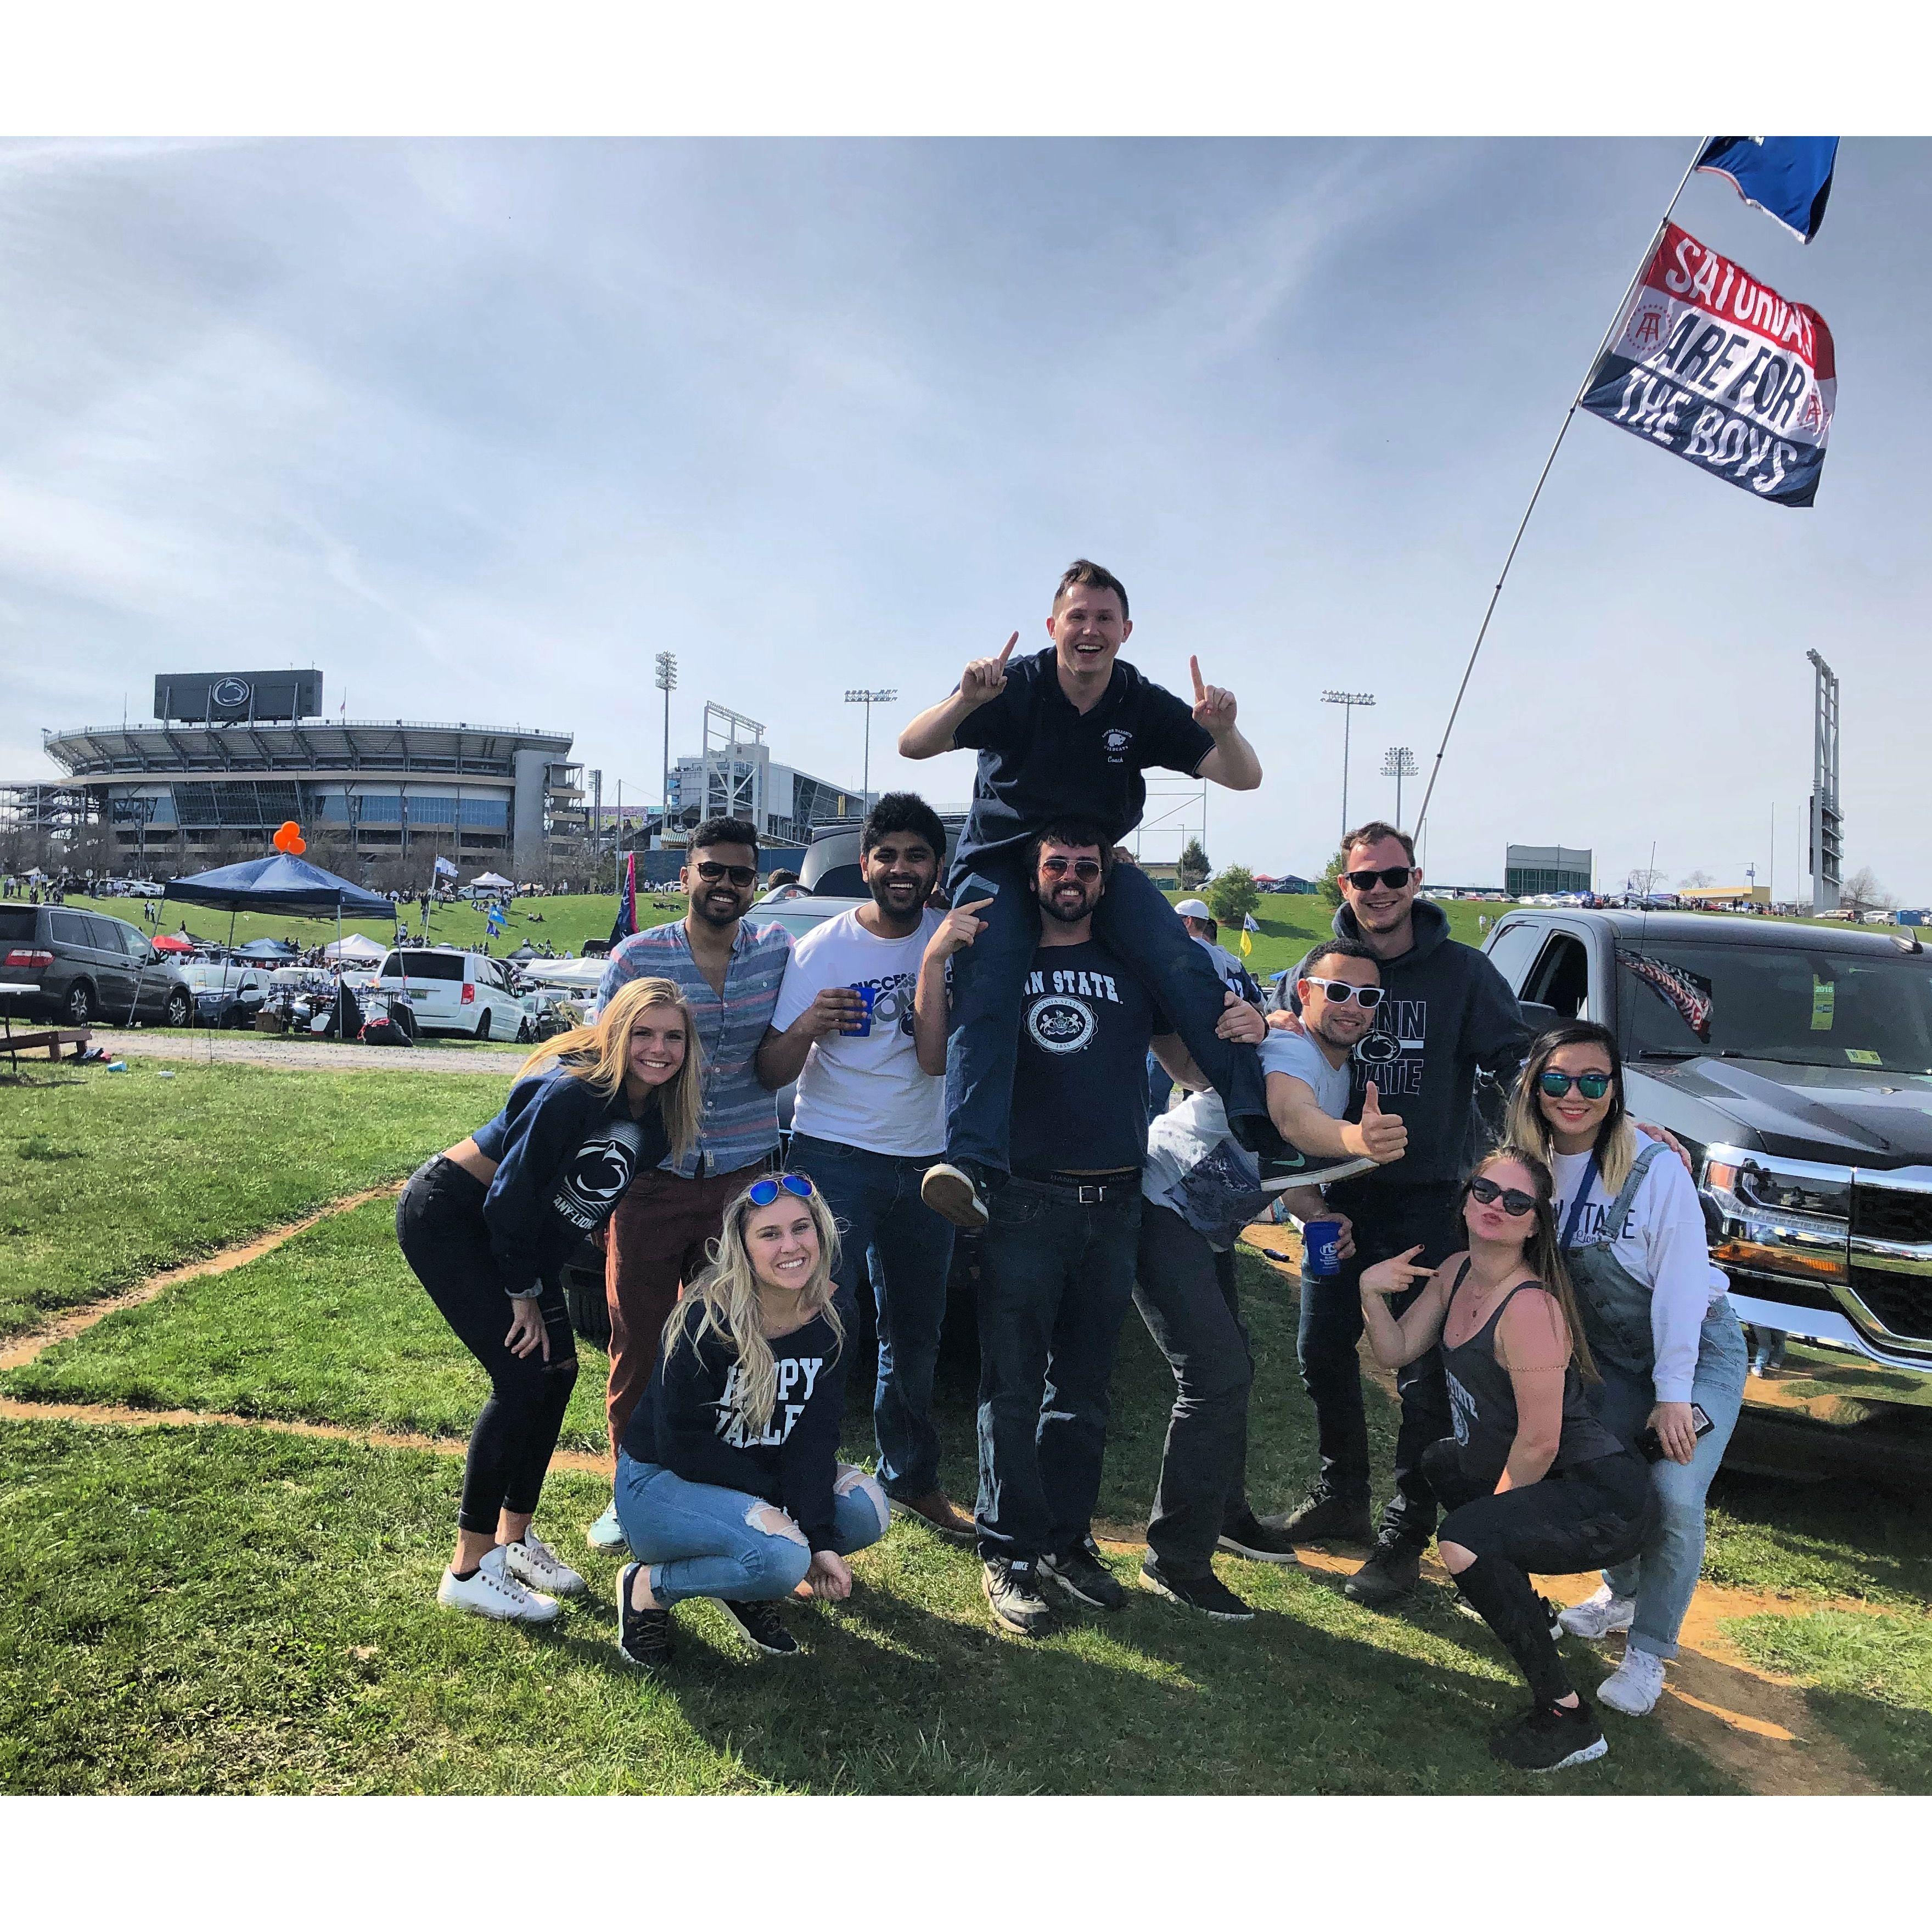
{"points": [[1214, 707], [984, 678], [1395, 1276]]}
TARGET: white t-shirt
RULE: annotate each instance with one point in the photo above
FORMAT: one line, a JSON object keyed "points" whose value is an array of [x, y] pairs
{"points": [[1197, 1169], [1661, 1243], [1296, 1054], [865, 1092]]}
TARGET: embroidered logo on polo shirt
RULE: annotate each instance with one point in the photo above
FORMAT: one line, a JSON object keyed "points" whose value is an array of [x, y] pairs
{"points": [[1059, 1024], [1116, 738]]}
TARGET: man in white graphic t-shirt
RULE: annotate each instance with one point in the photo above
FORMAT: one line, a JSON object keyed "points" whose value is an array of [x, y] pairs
{"points": [[866, 1124]]}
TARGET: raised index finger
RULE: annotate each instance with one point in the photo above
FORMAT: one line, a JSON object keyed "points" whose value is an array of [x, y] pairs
{"points": [[973, 905], [1009, 651], [1200, 689]]}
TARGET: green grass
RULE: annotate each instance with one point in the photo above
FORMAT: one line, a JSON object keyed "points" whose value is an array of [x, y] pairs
{"points": [[105, 1177], [1840, 1538], [212, 1610]]}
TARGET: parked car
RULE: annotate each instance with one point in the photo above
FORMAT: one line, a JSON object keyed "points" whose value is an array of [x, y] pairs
{"points": [[454, 992], [228, 994], [1795, 1063], [87, 968]]}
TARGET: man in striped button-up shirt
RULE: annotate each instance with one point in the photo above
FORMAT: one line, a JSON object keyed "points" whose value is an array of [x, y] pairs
{"points": [[731, 971]]}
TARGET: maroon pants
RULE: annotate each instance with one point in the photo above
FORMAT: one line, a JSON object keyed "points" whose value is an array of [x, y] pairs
{"points": [[660, 1238]]}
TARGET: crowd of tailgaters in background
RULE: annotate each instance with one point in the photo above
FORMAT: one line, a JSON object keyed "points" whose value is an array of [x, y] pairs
{"points": [[972, 1051]]}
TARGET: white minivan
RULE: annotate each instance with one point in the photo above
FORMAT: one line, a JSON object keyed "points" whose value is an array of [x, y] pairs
{"points": [[454, 992]]}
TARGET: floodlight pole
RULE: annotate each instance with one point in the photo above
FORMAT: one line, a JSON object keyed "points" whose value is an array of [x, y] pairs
{"points": [[1398, 763], [1347, 700], [868, 699], [667, 681]]}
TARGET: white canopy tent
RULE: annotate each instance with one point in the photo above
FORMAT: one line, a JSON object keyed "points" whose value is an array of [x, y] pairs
{"points": [[355, 946], [494, 881]]}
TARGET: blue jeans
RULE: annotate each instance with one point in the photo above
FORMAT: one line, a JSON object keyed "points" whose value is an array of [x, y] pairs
{"points": [[1056, 1278], [700, 1540], [1138, 926], [1386, 1222], [1663, 1576], [874, 1199]]}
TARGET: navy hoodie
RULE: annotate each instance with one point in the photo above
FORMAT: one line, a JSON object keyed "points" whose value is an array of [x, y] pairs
{"points": [[565, 1156], [1448, 1012]]}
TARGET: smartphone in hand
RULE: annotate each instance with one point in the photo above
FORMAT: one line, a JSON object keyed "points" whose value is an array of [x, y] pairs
{"points": [[1651, 1450]]}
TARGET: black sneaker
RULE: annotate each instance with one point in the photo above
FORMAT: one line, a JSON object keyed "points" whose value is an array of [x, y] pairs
{"points": [[1208, 1593], [1281, 1171], [1551, 1737], [1394, 1569], [1552, 1615], [760, 1622], [957, 1190], [1258, 1541], [643, 1636], [1323, 1516], [1012, 1590], [1084, 1578]]}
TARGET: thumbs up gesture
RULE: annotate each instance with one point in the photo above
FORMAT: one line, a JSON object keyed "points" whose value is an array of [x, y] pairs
{"points": [[1381, 1137]]}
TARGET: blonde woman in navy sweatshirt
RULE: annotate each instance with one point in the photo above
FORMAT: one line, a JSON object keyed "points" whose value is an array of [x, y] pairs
{"points": [[487, 1227], [729, 1484]]}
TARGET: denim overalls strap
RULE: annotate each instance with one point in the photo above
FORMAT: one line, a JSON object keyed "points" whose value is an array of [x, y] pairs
{"points": [[1616, 1305], [1574, 1219]]}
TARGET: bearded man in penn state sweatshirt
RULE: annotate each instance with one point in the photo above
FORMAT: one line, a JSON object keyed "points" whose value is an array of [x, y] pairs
{"points": [[1447, 1013]]}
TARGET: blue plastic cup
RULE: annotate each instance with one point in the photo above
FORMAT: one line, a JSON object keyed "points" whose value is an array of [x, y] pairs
{"points": [[1322, 1242], [863, 1030]]}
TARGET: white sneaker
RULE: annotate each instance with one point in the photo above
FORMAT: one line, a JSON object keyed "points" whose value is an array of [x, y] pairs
{"points": [[533, 1562], [607, 1532], [493, 1592], [1596, 1617], [1635, 1685]]}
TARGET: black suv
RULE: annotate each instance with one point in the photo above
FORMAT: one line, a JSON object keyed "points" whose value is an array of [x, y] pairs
{"points": [[85, 968], [1795, 1063]]}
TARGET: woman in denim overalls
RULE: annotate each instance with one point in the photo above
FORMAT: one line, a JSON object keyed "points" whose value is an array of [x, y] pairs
{"points": [[1659, 1323]]}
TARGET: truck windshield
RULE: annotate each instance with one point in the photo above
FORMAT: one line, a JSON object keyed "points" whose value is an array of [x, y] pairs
{"points": [[1794, 1006]]}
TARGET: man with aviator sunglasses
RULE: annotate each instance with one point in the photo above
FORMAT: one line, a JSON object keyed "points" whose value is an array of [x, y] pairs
{"points": [[730, 972], [1445, 1015]]}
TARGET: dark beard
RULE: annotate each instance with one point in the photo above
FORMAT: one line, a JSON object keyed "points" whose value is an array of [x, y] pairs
{"points": [[1048, 910], [880, 891], [702, 907]]}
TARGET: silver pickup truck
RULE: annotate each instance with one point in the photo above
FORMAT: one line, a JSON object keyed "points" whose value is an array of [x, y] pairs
{"points": [[1795, 1063]]}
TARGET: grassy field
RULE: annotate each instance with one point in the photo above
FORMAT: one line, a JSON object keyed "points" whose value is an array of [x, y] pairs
{"points": [[219, 1609]]}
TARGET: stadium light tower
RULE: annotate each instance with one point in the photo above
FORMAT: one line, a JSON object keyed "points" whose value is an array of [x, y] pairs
{"points": [[1398, 763], [1827, 844], [667, 683], [868, 699], [1347, 700]]}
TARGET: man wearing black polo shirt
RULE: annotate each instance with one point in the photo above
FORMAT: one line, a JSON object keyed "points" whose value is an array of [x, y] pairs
{"points": [[1057, 1263], [1071, 729]]}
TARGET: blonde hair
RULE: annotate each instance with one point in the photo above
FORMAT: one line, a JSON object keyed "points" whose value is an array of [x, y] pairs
{"points": [[1526, 1125], [599, 1054], [1542, 1251], [724, 1301]]}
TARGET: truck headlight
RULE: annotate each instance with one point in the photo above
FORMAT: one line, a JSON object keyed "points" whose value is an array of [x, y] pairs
{"points": [[1778, 1216]]}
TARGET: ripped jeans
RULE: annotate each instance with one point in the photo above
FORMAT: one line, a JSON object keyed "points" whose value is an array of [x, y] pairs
{"points": [[701, 1540]]}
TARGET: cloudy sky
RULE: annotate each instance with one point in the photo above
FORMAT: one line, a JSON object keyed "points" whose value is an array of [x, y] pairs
{"points": [[476, 428]]}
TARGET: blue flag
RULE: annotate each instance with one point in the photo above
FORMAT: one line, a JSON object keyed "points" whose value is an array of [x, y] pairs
{"points": [[1787, 175]]}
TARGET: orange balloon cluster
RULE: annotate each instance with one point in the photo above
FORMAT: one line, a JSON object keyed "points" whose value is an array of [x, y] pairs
{"points": [[289, 839]]}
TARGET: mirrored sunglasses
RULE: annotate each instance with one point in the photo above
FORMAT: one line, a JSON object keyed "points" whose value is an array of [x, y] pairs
{"points": [[1591, 1086], [764, 1191]]}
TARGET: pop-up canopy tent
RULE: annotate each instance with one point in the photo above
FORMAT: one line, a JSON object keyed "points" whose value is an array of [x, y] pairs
{"points": [[353, 946], [494, 881], [267, 952], [282, 883]]}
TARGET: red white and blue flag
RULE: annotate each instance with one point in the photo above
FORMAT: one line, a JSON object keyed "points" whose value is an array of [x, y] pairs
{"points": [[1722, 370], [625, 923]]}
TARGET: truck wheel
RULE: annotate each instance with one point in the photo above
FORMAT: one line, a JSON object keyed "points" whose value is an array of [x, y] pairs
{"points": [[483, 1025]]}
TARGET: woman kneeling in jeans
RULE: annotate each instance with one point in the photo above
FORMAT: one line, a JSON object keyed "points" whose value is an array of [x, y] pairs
{"points": [[1532, 1481], [729, 1483]]}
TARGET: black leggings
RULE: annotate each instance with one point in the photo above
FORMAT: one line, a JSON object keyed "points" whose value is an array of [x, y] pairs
{"points": [[1595, 1515], [439, 1224]]}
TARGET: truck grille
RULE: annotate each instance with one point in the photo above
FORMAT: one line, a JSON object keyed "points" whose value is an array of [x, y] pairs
{"points": [[1891, 1256]]}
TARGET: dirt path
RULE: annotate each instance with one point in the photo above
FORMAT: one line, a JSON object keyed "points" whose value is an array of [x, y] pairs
{"points": [[323, 1056], [1751, 1722]]}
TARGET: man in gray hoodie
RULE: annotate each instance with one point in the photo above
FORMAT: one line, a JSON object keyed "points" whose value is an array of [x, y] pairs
{"points": [[1447, 1014]]}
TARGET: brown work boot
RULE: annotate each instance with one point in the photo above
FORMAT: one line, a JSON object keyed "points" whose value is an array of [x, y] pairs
{"points": [[935, 1509]]}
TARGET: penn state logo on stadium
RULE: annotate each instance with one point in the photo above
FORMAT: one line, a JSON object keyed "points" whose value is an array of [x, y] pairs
{"points": [[1060, 1025], [599, 1173], [1117, 739], [230, 693]]}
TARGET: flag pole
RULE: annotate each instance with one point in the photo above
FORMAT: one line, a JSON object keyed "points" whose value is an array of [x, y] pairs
{"points": [[1569, 416]]}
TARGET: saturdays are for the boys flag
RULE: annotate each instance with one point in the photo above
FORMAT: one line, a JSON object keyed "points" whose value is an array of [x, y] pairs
{"points": [[1721, 371]]}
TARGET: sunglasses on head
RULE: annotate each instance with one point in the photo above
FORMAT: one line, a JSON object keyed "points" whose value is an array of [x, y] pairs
{"points": [[1389, 875], [763, 1192], [1340, 992], [1591, 1086], [1081, 868], [1515, 1201], [711, 872]]}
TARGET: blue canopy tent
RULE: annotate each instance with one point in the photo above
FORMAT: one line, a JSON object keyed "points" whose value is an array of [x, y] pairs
{"points": [[279, 883]]}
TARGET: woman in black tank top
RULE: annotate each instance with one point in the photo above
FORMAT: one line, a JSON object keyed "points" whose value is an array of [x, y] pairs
{"points": [[1533, 1482]]}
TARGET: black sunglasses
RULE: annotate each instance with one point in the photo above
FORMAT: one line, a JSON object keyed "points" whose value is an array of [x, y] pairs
{"points": [[711, 872], [763, 1192], [1591, 1086], [1340, 992], [1515, 1201], [1389, 875], [1081, 868]]}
